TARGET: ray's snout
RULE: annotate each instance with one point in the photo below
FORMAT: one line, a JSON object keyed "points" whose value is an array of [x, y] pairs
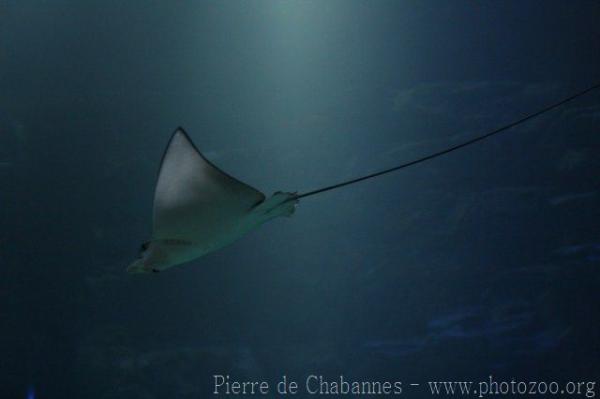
{"points": [[137, 267]]}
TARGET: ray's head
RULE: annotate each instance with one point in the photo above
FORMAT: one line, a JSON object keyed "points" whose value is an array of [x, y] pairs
{"points": [[147, 261], [158, 255]]}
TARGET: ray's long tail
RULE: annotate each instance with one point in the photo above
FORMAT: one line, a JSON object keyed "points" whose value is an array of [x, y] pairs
{"points": [[453, 148]]}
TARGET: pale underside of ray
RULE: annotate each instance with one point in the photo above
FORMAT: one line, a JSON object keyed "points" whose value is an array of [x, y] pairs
{"points": [[194, 200]]}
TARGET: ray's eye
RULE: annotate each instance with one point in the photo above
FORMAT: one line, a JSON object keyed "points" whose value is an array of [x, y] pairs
{"points": [[144, 247]]}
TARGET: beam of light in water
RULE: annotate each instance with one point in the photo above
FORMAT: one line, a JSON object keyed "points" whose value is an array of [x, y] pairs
{"points": [[30, 393]]}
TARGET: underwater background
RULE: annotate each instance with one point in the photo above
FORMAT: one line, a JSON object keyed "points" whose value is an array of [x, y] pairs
{"points": [[483, 262]]}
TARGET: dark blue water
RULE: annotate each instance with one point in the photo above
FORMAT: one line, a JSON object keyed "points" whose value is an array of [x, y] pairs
{"points": [[484, 262]]}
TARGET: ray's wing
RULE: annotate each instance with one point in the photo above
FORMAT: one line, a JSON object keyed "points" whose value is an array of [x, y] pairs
{"points": [[193, 197]]}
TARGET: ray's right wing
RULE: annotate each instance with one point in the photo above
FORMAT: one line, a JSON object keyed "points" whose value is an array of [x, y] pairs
{"points": [[193, 197]]}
